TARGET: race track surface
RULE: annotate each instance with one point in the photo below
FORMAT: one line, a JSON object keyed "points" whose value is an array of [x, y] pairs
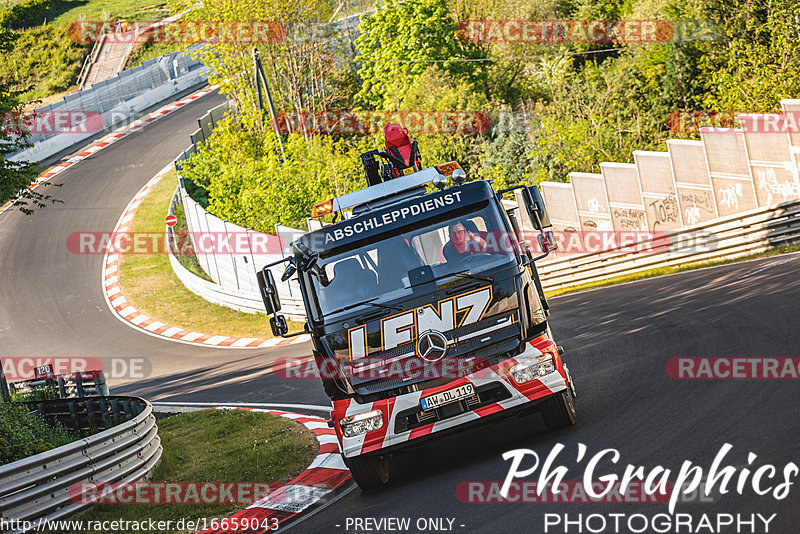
{"points": [[51, 303], [618, 341]]}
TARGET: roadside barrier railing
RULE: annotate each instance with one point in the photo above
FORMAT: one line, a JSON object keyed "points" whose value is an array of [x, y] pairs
{"points": [[89, 383], [38, 487], [725, 238]]}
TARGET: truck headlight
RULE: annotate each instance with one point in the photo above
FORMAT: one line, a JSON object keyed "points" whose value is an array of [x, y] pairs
{"points": [[355, 425], [525, 372]]}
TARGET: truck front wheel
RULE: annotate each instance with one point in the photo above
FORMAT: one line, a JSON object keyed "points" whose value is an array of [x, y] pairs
{"points": [[558, 411], [369, 471]]}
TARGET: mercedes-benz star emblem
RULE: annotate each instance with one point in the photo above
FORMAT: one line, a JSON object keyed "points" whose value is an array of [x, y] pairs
{"points": [[432, 346]]}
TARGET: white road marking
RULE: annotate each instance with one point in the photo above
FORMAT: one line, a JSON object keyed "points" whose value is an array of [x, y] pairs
{"points": [[768, 266]]}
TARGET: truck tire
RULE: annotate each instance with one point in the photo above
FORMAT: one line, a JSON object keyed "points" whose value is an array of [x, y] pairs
{"points": [[369, 472], [558, 411]]}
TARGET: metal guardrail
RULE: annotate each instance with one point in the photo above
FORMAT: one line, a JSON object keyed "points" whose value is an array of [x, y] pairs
{"points": [[724, 238], [90, 383], [87, 63], [38, 487]]}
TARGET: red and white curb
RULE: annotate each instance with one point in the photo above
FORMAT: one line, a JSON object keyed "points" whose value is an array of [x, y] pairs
{"points": [[115, 136], [122, 132], [134, 317], [325, 474]]}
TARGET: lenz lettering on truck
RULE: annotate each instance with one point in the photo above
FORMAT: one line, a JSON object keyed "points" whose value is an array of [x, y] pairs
{"points": [[425, 308]]}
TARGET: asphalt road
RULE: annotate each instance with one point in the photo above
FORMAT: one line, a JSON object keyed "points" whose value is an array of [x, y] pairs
{"points": [[52, 305], [618, 341]]}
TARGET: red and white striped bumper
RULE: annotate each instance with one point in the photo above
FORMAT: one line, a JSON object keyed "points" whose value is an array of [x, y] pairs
{"points": [[386, 436]]}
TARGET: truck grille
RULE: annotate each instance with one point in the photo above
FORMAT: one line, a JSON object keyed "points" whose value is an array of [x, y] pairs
{"points": [[416, 417]]}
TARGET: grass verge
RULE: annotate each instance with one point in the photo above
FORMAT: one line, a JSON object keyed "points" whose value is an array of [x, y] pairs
{"points": [[148, 281], [45, 60], [217, 446], [669, 270]]}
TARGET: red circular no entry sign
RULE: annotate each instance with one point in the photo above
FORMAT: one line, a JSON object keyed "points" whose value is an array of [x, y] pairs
{"points": [[171, 220]]}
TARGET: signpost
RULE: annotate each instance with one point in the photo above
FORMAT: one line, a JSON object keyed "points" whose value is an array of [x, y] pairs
{"points": [[171, 220]]}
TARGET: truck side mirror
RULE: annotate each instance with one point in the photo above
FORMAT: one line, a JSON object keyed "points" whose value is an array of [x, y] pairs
{"points": [[532, 200], [269, 291], [278, 326], [538, 203]]}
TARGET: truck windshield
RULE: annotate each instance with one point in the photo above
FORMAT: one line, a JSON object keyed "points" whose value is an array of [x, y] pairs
{"points": [[379, 271]]}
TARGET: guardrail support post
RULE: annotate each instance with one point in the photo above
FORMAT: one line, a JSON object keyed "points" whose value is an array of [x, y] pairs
{"points": [[101, 385], [4, 392], [79, 385]]}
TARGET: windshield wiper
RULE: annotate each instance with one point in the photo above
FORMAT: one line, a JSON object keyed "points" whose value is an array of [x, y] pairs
{"points": [[370, 302], [466, 274], [463, 274]]}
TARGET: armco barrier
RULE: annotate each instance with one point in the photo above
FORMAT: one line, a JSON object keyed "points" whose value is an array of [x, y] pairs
{"points": [[38, 487], [89, 383], [118, 99], [728, 237]]}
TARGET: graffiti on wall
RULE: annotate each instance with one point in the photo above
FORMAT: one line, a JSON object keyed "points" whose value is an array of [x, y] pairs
{"points": [[595, 206], [629, 219], [777, 190], [665, 212], [730, 194], [697, 206]]}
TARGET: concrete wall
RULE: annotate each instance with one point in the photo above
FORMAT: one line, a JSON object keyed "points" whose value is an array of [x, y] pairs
{"points": [[624, 197], [728, 171], [118, 100], [728, 166], [594, 212], [234, 273], [659, 193]]}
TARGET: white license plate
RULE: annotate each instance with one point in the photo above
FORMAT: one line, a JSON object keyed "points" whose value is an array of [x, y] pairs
{"points": [[446, 397]]}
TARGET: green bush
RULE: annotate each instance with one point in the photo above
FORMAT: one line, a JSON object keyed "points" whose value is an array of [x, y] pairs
{"points": [[28, 13], [250, 184], [23, 434], [44, 61], [37, 393]]}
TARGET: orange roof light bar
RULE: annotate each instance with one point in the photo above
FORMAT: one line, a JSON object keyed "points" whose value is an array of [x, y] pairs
{"points": [[383, 189], [321, 209], [447, 168]]}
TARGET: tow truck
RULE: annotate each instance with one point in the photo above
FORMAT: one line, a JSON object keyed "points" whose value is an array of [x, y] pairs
{"points": [[425, 308]]}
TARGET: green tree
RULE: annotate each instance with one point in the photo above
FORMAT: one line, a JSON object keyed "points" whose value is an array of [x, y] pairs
{"points": [[15, 176], [756, 62], [401, 40], [296, 57], [452, 94]]}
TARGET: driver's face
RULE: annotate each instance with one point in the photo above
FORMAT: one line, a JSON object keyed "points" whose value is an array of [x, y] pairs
{"points": [[458, 234]]}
